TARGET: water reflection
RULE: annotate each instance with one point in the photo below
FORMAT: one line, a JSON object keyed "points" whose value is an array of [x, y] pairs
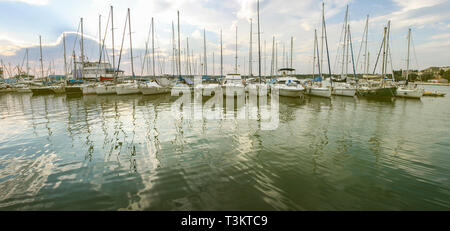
{"points": [[134, 153]]}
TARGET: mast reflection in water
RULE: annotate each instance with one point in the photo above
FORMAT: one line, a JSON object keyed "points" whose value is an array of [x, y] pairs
{"points": [[134, 153]]}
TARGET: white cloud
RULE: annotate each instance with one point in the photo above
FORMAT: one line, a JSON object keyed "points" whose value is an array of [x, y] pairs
{"points": [[31, 2], [282, 18]]}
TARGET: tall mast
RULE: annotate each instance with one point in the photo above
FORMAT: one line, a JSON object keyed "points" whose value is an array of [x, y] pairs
{"points": [[74, 72], [153, 49], [65, 60], [347, 47], [235, 64], [82, 42], [323, 34], [345, 40], [100, 37], [314, 54], [318, 57], [366, 58], [179, 50], [272, 64], [42, 63], [407, 58], [174, 69], [112, 36], [292, 45], [259, 48], [384, 53], [131, 44], [387, 44], [205, 58], [188, 56], [82, 50], [250, 50], [265, 58], [221, 55], [276, 58], [351, 49], [214, 63], [326, 45]]}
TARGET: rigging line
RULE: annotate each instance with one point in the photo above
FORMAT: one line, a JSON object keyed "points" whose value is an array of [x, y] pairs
{"points": [[351, 49], [76, 38], [378, 57], [104, 38], [326, 45], [415, 55], [392, 65], [360, 47], [339, 46], [123, 39], [146, 50]]}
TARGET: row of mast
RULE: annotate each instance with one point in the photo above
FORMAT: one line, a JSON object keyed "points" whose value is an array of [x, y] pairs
{"points": [[385, 49]]}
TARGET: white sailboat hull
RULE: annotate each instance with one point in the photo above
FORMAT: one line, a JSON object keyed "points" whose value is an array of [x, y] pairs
{"points": [[290, 92], [127, 90], [319, 91], [410, 93], [104, 90]]}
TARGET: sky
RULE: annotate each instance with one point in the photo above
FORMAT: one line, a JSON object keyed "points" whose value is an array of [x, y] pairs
{"points": [[23, 21]]}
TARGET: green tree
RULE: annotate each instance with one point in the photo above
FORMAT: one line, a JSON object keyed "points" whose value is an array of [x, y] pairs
{"points": [[427, 76], [446, 74]]}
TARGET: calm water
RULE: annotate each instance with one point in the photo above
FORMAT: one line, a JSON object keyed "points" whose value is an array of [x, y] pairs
{"points": [[132, 153]]}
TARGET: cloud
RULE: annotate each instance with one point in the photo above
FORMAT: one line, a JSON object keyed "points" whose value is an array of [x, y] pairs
{"points": [[31, 2], [280, 18]]}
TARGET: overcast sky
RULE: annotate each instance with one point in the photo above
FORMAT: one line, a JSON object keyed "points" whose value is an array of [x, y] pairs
{"points": [[22, 21]]}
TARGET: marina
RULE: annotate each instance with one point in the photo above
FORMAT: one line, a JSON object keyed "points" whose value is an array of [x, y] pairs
{"points": [[190, 118]]}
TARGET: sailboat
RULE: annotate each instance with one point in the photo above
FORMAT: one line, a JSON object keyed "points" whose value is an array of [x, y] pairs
{"points": [[409, 90], [316, 88], [152, 87], [254, 86], [206, 86], [233, 83], [379, 88], [341, 86], [287, 85], [44, 88], [130, 87]]}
